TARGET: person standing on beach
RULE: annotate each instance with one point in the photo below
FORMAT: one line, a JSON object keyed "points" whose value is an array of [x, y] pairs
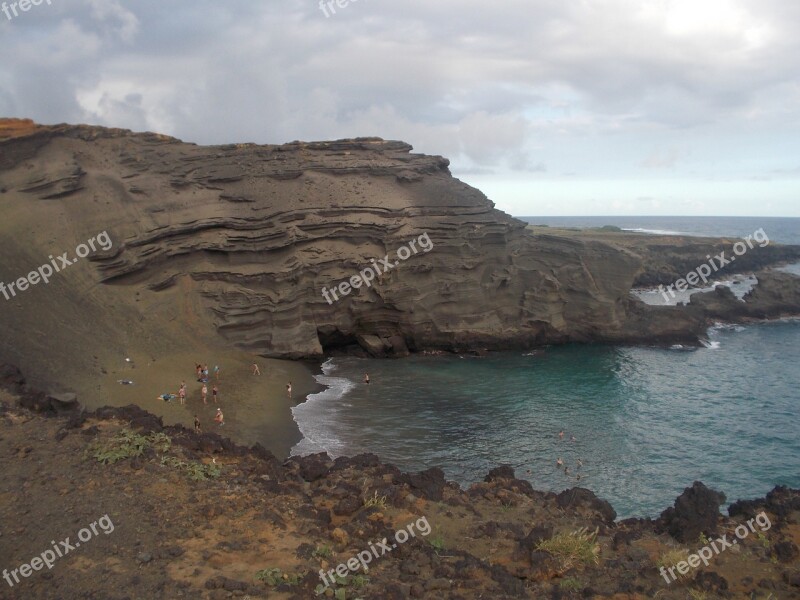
{"points": [[204, 393], [196, 424], [289, 389], [216, 372], [219, 418], [182, 394], [256, 370], [214, 392]]}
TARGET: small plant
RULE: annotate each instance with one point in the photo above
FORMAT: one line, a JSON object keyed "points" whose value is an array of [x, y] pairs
{"points": [[437, 542], [697, 594], [672, 557], [274, 577], [375, 500], [571, 548], [359, 581], [762, 539], [702, 540], [570, 584], [322, 552], [127, 444], [196, 471], [160, 442]]}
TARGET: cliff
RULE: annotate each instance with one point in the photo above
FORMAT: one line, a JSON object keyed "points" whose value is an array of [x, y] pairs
{"points": [[239, 242]]}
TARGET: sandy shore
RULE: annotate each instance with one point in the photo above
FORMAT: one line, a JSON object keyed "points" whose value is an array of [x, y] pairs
{"points": [[256, 408]]}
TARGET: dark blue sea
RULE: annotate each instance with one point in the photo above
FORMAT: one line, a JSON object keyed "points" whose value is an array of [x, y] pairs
{"points": [[646, 422]]}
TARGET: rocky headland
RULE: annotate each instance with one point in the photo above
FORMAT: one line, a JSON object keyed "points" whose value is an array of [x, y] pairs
{"points": [[244, 238]]}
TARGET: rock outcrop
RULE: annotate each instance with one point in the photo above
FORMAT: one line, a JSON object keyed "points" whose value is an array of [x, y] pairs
{"points": [[249, 237]]}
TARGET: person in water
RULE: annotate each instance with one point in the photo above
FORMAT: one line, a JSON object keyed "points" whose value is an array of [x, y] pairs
{"points": [[289, 389], [366, 377], [559, 462], [561, 435]]}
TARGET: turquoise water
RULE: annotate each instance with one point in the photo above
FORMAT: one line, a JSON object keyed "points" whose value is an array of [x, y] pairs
{"points": [[647, 421]]}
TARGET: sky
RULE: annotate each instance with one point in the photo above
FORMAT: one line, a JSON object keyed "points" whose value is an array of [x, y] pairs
{"points": [[550, 107]]}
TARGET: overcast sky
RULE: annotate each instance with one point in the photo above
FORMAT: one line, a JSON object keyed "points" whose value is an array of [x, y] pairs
{"points": [[551, 107]]}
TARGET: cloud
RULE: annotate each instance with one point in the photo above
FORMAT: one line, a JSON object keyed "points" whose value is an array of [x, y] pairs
{"points": [[529, 87], [662, 159]]}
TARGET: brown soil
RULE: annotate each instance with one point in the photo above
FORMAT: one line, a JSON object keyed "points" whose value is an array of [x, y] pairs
{"points": [[178, 538]]}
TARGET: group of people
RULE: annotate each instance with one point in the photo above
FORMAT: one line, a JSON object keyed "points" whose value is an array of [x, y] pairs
{"points": [[203, 377]]}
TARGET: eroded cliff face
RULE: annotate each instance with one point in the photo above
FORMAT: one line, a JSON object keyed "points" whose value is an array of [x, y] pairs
{"points": [[243, 239]]}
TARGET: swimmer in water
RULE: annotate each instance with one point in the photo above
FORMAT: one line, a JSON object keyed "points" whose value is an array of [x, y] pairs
{"points": [[559, 462]]}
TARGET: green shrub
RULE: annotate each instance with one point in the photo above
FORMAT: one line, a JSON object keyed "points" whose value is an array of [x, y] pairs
{"points": [[127, 444]]}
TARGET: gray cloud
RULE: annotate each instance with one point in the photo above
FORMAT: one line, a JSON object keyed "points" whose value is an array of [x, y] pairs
{"points": [[578, 87]]}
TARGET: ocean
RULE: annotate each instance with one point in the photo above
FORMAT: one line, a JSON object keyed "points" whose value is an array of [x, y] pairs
{"points": [[646, 421]]}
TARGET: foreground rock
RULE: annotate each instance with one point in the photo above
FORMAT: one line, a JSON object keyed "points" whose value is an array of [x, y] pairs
{"points": [[195, 516]]}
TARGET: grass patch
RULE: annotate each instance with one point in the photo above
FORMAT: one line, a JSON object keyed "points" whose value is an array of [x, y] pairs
{"points": [[375, 500], [672, 557], [127, 444], [274, 577], [573, 548], [196, 471], [322, 552]]}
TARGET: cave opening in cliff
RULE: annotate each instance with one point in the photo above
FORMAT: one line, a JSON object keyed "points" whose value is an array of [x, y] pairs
{"points": [[331, 338]]}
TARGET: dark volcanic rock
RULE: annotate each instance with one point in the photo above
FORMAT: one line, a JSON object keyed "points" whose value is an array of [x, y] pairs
{"points": [[501, 472], [581, 498], [696, 511], [428, 484]]}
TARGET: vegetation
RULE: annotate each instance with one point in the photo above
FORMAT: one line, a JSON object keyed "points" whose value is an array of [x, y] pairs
{"points": [[322, 552], [437, 541], [375, 500], [127, 444], [570, 584], [196, 471], [573, 548], [340, 585], [274, 577]]}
